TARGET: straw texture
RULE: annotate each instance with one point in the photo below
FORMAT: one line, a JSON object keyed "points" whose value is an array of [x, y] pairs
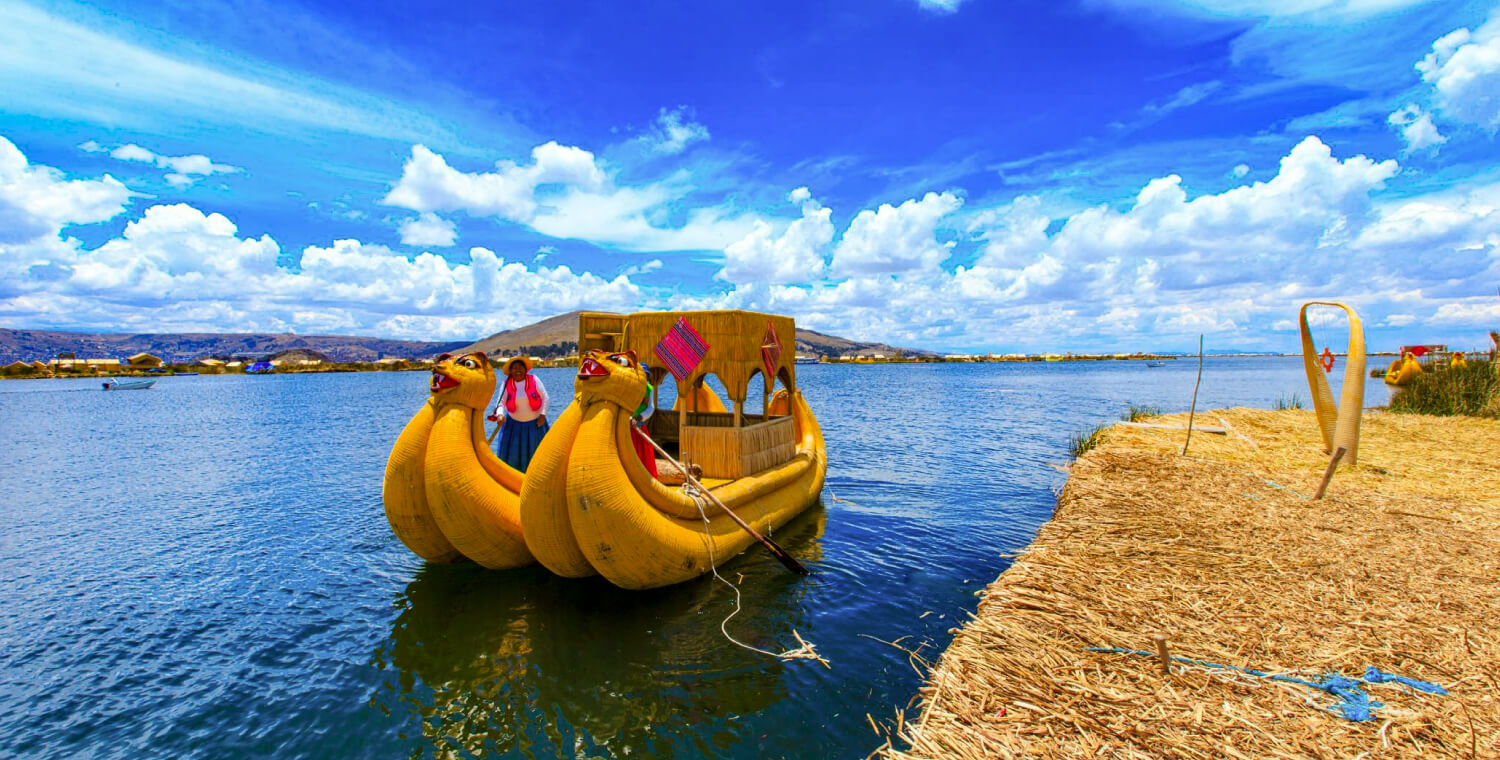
{"points": [[1223, 553], [724, 451]]}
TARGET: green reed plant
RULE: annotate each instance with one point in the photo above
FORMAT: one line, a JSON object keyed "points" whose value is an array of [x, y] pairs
{"points": [[1473, 390], [1288, 402], [1137, 413], [1082, 443]]}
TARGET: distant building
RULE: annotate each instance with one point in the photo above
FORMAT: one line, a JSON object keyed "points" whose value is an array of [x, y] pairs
{"points": [[209, 362], [144, 361]]}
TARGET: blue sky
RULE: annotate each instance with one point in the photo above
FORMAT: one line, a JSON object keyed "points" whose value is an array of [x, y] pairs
{"points": [[961, 175]]}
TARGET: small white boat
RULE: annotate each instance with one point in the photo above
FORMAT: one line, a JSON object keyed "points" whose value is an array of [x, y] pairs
{"points": [[1156, 364], [129, 385]]}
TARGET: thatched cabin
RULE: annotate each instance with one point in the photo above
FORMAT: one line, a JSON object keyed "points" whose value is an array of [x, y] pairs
{"points": [[727, 443], [144, 361]]}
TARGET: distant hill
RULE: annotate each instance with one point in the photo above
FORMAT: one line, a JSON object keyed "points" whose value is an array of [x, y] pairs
{"points": [[552, 337], [558, 336], [181, 348], [811, 343]]}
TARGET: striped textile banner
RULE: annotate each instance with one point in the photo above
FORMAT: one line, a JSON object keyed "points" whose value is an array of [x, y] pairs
{"points": [[681, 349], [770, 354]]}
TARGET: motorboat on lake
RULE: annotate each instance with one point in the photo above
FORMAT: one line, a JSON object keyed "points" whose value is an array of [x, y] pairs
{"points": [[128, 385]]}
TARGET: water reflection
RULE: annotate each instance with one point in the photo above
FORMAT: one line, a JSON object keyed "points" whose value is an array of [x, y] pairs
{"points": [[524, 662]]}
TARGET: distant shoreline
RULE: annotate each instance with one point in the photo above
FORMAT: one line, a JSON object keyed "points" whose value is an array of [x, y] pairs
{"points": [[568, 362]]}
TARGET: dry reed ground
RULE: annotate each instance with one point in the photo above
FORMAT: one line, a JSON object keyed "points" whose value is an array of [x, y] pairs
{"points": [[1223, 552]]}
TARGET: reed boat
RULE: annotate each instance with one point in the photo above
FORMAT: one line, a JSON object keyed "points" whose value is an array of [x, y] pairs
{"points": [[447, 496], [590, 503], [1403, 370]]}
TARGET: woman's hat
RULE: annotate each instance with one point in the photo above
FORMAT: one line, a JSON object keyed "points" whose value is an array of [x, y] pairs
{"points": [[525, 360]]}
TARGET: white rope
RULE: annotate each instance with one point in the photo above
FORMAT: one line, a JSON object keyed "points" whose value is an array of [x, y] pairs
{"points": [[804, 652]]}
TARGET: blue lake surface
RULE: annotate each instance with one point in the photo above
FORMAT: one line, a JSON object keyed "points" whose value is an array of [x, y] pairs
{"points": [[204, 569]]}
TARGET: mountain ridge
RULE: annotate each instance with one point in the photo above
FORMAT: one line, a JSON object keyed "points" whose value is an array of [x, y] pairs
{"points": [[552, 337]]}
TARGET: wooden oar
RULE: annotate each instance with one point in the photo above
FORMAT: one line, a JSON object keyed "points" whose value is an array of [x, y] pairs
{"points": [[491, 439], [776, 551]]}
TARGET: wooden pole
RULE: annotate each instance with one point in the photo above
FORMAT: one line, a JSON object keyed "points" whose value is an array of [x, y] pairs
{"points": [[1194, 408], [776, 551], [1333, 464], [1163, 659]]}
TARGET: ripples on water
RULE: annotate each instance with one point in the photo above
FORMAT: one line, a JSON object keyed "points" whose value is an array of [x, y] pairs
{"points": [[204, 570]]}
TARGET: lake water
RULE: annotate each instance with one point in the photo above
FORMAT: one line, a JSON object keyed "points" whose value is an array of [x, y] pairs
{"points": [[204, 569]]}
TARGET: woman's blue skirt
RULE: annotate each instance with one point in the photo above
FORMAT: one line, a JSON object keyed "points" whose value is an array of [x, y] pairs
{"points": [[518, 441]]}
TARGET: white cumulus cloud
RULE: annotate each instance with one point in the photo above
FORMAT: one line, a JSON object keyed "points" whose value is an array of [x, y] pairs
{"points": [[36, 201], [182, 171], [1464, 71], [428, 229], [1416, 128], [794, 254], [565, 193], [176, 267], [675, 130], [429, 184], [894, 239], [941, 6], [1170, 264]]}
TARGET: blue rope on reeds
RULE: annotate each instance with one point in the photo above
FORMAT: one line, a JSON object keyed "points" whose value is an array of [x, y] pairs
{"points": [[1354, 703]]}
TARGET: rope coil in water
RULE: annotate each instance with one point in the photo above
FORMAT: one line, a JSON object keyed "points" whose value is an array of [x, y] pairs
{"points": [[1353, 703], [805, 652]]}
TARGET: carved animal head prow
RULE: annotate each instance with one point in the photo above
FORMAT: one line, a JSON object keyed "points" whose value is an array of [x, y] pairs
{"points": [[616, 378], [467, 379]]}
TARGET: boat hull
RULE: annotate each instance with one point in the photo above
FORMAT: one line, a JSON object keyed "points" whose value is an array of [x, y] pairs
{"points": [[599, 511], [447, 496]]}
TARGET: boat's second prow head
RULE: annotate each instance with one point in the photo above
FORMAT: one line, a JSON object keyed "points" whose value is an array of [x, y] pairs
{"points": [[468, 380], [616, 378]]}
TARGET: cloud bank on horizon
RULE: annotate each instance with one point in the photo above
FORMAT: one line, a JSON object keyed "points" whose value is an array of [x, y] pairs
{"points": [[1201, 173]]}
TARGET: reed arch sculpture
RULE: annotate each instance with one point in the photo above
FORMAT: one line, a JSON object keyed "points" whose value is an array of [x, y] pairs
{"points": [[1339, 423]]}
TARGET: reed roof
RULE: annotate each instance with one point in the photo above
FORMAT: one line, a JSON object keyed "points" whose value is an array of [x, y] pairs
{"points": [[734, 339], [1222, 552]]}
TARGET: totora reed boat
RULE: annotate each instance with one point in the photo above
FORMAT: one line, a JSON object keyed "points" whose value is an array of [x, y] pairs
{"points": [[447, 496], [595, 498]]}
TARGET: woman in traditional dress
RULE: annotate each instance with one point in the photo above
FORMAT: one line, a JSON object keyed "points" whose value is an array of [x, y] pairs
{"points": [[522, 414]]}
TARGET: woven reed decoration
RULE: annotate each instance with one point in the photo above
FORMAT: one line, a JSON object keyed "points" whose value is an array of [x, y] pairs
{"points": [[724, 451], [1339, 423], [734, 339]]}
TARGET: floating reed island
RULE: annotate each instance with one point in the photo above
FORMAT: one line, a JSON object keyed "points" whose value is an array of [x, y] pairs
{"points": [[1224, 554]]}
